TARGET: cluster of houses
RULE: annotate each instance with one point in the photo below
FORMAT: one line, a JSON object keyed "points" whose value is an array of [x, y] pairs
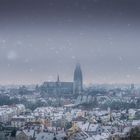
{"points": [[68, 123], [7, 112]]}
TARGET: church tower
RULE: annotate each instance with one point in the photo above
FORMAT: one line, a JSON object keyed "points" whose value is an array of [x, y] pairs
{"points": [[58, 85], [78, 80]]}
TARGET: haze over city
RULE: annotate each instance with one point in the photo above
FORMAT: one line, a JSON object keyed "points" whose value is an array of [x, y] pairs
{"points": [[69, 70], [40, 39]]}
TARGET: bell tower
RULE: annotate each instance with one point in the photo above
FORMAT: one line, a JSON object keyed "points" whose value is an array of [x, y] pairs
{"points": [[78, 80]]}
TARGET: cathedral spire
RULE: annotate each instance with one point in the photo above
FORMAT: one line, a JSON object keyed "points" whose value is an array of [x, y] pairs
{"points": [[58, 79], [78, 79]]}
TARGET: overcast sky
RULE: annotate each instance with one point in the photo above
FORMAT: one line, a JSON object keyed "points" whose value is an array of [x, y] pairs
{"points": [[42, 38]]}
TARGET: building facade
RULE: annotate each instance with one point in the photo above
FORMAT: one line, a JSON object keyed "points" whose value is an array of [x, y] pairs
{"points": [[59, 87]]}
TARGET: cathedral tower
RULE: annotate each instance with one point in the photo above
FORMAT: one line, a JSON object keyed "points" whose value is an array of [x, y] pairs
{"points": [[78, 80]]}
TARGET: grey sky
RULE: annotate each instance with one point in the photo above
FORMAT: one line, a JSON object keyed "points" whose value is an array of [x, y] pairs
{"points": [[39, 39]]}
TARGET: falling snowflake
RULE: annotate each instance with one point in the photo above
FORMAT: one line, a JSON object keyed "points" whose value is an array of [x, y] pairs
{"points": [[12, 55], [73, 57], [128, 76], [31, 70], [138, 68], [120, 58]]}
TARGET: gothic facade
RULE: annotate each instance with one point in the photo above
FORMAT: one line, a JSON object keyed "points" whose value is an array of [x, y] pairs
{"points": [[59, 87]]}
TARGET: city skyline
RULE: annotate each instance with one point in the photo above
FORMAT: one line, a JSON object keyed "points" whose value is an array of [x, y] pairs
{"points": [[40, 39]]}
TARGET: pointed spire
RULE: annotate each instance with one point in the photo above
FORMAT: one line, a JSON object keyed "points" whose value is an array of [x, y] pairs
{"points": [[78, 65], [58, 80], [78, 79], [78, 73]]}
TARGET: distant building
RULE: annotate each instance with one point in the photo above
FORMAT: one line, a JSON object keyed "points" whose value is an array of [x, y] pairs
{"points": [[59, 87], [78, 80], [132, 87]]}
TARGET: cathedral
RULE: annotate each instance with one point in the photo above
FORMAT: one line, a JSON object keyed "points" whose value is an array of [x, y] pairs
{"points": [[78, 80], [58, 87]]}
